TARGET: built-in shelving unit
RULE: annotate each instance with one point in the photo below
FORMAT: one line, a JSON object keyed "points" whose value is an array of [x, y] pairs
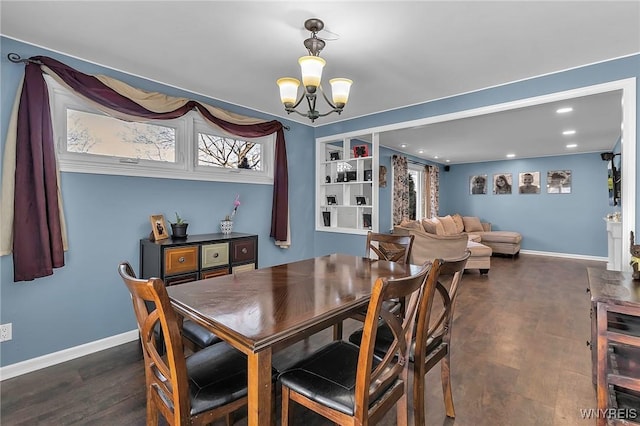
{"points": [[347, 184]]}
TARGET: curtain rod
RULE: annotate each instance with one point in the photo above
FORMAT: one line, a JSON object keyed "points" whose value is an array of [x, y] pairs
{"points": [[412, 161], [16, 59]]}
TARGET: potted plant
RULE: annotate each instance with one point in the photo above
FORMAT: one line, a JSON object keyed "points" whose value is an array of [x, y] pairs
{"points": [[179, 227]]}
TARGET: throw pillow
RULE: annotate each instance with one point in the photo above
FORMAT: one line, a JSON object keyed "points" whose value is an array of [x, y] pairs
{"points": [[429, 226], [472, 224], [459, 223], [439, 226], [412, 224], [448, 224]]}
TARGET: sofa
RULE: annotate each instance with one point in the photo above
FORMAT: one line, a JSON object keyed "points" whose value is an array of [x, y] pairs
{"points": [[449, 236]]}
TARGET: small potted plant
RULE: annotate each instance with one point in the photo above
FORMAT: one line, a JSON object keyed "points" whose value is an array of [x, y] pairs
{"points": [[179, 227]]}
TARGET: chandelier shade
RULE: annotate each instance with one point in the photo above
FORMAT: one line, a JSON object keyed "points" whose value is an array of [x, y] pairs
{"points": [[311, 67]]}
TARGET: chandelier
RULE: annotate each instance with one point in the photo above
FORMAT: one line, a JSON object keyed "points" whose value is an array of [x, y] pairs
{"points": [[311, 69]]}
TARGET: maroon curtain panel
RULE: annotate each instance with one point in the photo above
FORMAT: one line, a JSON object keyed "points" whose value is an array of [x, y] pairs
{"points": [[37, 236]]}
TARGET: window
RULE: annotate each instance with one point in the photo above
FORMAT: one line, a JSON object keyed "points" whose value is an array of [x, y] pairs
{"points": [[416, 183], [89, 141]]}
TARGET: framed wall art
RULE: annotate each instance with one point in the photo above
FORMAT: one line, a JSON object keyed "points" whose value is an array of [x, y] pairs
{"points": [[559, 182], [158, 227], [502, 183], [529, 183], [478, 184]]}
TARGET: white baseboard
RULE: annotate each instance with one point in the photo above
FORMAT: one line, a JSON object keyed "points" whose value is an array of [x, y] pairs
{"points": [[565, 255], [64, 355]]}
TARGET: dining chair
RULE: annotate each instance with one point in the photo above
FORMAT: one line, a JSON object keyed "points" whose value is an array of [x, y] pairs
{"points": [[395, 248], [207, 385], [432, 336], [350, 385]]}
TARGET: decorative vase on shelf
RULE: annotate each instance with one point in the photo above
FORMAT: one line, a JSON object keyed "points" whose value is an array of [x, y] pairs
{"points": [[226, 226]]}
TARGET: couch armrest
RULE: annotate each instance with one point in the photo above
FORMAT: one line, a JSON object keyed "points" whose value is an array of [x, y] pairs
{"points": [[486, 226]]}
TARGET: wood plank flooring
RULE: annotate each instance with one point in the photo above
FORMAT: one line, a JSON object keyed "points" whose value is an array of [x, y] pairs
{"points": [[519, 357]]}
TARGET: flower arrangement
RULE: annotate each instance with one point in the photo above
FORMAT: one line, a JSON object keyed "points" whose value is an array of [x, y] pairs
{"points": [[236, 204]]}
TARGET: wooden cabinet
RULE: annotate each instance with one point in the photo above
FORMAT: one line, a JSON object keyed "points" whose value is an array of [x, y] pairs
{"points": [[615, 345], [347, 184], [198, 257]]}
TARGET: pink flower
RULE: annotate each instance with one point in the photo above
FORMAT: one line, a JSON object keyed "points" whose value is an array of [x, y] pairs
{"points": [[236, 204]]}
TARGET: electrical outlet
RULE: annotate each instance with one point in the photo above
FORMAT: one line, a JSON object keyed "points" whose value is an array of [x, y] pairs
{"points": [[5, 332]]}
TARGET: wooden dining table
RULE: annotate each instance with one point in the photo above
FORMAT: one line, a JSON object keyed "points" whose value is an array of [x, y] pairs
{"points": [[261, 311]]}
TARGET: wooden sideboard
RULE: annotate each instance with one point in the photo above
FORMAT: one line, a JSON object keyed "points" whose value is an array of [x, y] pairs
{"points": [[197, 257], [615, 345]]}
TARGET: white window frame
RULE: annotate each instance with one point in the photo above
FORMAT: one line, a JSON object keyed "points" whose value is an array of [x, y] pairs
{"points": [[419, 183], [186, 153]]}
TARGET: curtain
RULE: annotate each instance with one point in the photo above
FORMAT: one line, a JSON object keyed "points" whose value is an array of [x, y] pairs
{"points": [[32, 203], [400, 189], [431, 191]]}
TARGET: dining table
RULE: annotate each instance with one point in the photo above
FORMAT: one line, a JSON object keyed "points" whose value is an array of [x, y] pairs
{"points": [[261, 311]]}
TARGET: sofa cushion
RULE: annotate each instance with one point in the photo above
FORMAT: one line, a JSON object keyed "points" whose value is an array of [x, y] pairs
{"points": [[502, 237], [479, 250], [472, 224], [449, 225], [429, 226], [439, 226], [412, 224], [459, 223], [475, 238]]}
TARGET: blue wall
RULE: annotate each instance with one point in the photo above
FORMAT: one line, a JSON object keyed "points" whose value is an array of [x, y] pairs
{"points": [[86, 301], [564, 223]]}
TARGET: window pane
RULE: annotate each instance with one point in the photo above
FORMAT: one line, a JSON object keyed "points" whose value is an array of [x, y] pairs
{"points": [[102, 135], [218, 151]]}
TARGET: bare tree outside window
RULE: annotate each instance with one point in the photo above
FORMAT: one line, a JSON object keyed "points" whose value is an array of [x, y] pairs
{"points": [[218, 151]]}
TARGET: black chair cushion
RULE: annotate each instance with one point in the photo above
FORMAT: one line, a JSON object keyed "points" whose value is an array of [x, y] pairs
{"points": [[328, 376], [384, 338], [217, 376], [198, 334]]}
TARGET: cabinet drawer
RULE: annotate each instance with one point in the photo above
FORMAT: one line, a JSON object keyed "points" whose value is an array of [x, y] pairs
{"points": [[243, 268], [214, 273], [180, 259], [214, 255], [181, 279], [243, 250]]}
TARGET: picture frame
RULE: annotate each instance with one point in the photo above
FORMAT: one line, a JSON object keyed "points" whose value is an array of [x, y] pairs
{"points": [[360, 151], [502, 183], [361, 201], [326, 218], [478, 184], [158, 227], [334, 155], [529, 183], [331, 200], [559, 182], [366, 220]]}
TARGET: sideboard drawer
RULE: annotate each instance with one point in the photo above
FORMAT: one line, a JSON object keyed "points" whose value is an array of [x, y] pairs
{"points": [[213, 273], [181, 279], [214, 255], [181, 259], [244, 250]]}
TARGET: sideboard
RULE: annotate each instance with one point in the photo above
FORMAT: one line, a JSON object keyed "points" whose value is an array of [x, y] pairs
{"points": [[198, 256]]}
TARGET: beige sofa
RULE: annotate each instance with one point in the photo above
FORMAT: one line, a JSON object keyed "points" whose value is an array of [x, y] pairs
{"points": [[447, 237]]}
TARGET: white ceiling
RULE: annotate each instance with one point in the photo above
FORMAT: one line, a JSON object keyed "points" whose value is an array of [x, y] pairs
{"points": [[397, 53]]}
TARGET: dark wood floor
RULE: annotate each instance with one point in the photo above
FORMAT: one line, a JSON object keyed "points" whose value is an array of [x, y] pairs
{"points": [[519, 358]]}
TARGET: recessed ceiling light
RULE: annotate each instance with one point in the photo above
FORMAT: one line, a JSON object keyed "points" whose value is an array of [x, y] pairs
{"points": [[564, 110], [447, 161], [403, 145], [510, 155], [421, 151], [435, 156], [572, 145], [569, 132]]}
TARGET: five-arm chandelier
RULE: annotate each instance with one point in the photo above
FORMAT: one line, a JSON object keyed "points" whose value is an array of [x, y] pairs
{"points": [[311, 67]]}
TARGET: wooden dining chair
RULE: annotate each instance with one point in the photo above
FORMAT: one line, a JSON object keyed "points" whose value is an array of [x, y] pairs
{"points": [[432, 336], [209, 384], [351, 385], [395, 248]]}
